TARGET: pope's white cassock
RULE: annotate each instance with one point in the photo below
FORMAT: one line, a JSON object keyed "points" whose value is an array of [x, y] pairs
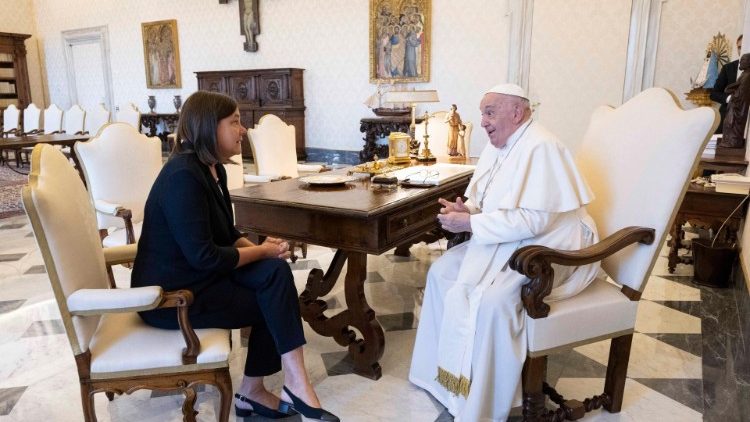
{"points": [[471, 342]]}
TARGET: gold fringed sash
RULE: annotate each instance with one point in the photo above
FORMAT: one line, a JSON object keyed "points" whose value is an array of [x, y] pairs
{"points": [[453, 383]]}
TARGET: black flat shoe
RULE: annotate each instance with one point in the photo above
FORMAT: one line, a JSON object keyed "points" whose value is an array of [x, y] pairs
{"points": [[261, 410], [306, 410]]}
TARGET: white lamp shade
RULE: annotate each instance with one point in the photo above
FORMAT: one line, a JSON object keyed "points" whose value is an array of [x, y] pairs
{"points": [[411, 97]]}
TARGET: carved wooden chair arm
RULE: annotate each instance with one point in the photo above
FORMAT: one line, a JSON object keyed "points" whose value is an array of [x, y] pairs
{"points": [[127, 216], [182, 299], [535, 262]]}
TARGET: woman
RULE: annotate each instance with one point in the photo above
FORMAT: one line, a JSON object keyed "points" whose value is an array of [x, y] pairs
{"points": [[189, 242]]}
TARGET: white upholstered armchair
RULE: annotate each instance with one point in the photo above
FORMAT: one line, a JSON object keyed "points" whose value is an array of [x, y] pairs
{"points": [[11, 119], [96, 118], [53, 119], [637, 159], [129, 114], [115, 351], [73, 120], [275, 155], [31, 118], [273, 145], [120, 166]]}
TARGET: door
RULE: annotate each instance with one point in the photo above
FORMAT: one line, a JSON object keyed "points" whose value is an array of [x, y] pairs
{"points": [[88, 68]]}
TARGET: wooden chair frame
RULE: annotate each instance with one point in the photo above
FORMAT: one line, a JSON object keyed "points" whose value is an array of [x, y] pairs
{"points": [[535, 262], [184, 382]]}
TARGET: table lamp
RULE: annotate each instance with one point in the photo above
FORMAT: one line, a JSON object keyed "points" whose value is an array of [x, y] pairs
{"points": [[412, 98]]}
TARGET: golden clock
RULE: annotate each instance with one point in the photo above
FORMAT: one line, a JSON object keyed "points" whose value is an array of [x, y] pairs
{"points": [[398, 148]]}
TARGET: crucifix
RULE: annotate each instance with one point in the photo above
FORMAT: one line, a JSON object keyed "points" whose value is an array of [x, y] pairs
{"points": [[249, 23]]}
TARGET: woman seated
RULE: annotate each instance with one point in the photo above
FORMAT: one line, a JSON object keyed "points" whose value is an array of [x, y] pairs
{"points": [[189, 242]]}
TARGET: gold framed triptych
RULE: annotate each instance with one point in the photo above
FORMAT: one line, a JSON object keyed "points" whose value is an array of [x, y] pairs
{"points": [[400, 40]]}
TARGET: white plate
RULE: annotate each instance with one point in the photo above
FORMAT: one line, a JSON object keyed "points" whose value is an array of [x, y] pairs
{"points": [[327, 179]]}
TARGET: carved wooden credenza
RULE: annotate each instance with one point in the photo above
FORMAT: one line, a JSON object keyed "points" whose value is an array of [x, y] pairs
{"points": [[259, 92]]}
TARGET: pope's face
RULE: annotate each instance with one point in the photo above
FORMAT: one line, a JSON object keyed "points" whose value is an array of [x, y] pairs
{"points": [[498, 114]]}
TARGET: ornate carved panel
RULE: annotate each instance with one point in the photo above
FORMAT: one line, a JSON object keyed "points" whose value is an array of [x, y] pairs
{"points": [[262, 91]]}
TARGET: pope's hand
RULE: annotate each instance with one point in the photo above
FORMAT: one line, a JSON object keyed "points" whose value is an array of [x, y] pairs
{"points": [[455, 222], [449, 206]]}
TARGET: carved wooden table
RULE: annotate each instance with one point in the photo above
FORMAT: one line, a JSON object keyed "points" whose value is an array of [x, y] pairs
{"points": [[151, 120], [62, 139], [710, 207], [375, 128], [356, 220]]}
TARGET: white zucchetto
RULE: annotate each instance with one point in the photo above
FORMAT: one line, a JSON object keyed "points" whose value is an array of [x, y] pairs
{"points": [[508, 89]]}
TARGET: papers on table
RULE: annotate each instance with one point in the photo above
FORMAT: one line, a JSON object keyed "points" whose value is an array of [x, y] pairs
{"points": [[253, 178], [710, 151], [432, 175], [731, 183], [310, 168]]}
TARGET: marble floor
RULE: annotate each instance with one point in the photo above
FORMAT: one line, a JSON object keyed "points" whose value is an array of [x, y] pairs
{"points": [[689, 358]]}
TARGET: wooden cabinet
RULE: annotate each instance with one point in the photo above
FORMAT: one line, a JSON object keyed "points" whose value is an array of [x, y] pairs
{"points": [[14, 74], [259, 92]]}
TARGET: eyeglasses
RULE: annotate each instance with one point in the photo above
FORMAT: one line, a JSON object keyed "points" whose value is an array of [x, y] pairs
{"points": [[420, 177]]}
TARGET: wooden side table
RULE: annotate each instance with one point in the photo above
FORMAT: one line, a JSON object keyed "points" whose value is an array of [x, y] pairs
{"points": [[151, 120], [709, 207]]}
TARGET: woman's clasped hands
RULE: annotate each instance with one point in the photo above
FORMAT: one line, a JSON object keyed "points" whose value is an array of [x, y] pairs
{"points": [[276, 248]]}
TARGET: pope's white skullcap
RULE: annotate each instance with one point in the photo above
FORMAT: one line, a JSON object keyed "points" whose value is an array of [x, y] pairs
{"points": [[508, 89]]}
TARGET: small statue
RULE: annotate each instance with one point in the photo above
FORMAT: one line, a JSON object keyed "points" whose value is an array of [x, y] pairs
{"points": [[737, 108], [454, 121], [375, 162]]}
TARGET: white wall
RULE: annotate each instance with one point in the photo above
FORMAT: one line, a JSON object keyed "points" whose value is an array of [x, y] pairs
{"points": [[578, 55], [329, 39], [17, 16]]}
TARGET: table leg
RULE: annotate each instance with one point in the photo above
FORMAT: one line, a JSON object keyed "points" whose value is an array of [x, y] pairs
{"points": [[366, 351], [677, 234]]}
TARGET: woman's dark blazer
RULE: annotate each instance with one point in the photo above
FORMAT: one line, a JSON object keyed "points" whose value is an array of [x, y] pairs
{"points": [[188, 230]]}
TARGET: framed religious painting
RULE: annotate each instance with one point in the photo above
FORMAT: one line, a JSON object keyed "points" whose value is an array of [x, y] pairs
{"points": [[400, 40], [161, 54]]}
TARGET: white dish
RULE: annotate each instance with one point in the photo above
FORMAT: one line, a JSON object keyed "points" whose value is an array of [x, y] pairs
{"points": [[327, 179]]}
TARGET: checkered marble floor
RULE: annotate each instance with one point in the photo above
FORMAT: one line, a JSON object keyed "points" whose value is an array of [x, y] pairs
{"points": [[688, 359]]}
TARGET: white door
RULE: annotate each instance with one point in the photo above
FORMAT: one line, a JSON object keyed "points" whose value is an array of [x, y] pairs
{"points": [[88, 68], [89, 75]]}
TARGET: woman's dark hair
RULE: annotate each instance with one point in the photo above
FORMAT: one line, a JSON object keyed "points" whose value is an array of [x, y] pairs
{"points": [[199, 120]]}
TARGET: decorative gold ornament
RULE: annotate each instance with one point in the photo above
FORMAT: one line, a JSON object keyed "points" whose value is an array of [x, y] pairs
{"points": [[398, 148]]}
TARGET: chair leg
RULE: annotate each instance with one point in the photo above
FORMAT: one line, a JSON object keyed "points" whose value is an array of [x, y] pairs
{"points": [[534, 370], [87, 401], [188, 406], [224, 385], [617, 369]]}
